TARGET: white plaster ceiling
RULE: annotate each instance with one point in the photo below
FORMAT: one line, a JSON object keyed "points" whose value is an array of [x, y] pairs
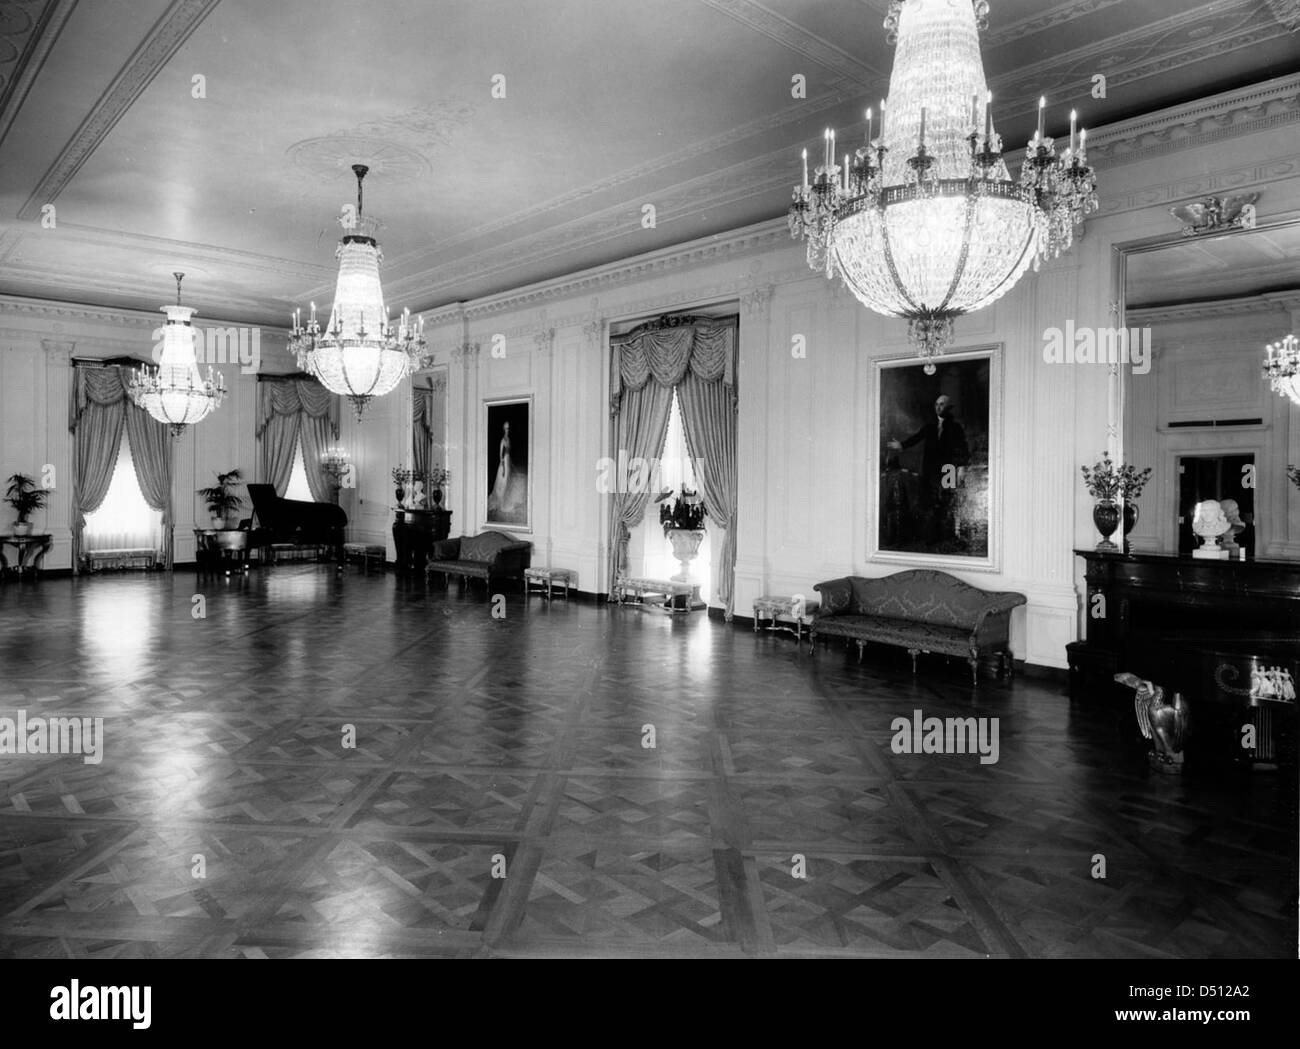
{"points": [[610, 105]]}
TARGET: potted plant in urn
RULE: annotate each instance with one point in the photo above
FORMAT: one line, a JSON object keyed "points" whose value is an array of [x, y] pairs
{"points": [[23, 495], [684, 527], [1105, 481], [221, 500]]}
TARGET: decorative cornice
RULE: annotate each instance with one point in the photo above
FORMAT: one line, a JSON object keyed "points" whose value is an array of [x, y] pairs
{"points": [[1271, 302], [750, 240], [1260, 107], [162, 42]]}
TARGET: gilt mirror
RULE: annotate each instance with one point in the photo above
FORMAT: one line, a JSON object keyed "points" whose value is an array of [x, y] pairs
{"points": [[1202, 416]]}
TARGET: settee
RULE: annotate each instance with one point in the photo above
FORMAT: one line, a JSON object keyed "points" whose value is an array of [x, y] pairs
{"points": [[490, 556], [921, 610]]}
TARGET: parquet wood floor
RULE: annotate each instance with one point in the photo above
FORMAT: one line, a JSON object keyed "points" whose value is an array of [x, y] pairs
{"points": [[515, 747]]}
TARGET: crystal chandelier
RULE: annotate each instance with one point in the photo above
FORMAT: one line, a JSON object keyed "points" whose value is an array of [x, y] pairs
{"points": [[923, 221], [174, 392], [1282, 367], [360, 354]]}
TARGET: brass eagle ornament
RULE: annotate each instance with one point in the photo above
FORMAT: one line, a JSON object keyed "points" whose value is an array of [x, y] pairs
{"points": [[1165, 724]]}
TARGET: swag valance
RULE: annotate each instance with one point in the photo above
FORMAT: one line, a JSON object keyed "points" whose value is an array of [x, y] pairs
{"points": [[290, 395], [99, 385], [707, 348]]}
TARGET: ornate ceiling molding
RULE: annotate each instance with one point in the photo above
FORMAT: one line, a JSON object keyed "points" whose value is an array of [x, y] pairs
{"points": [[760, 19], [1158, 47], [1287, 12], [28, 32], [162, 42], [1261, 107], [399, 148], [1060, 14], [1273, 302]]}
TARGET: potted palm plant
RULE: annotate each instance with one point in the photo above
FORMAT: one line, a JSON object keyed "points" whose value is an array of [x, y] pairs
{"points": [[23, 495], [221, 499]]}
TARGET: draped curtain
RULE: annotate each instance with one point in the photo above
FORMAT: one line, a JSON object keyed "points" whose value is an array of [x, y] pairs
{"points": [[292, 409], [100, 411], [422, 418], [699, 361]]}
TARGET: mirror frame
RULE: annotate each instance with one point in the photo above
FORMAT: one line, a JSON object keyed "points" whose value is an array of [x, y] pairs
{"points": [[1120, 252]]}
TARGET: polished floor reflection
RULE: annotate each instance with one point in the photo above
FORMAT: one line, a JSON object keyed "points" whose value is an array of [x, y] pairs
{"points": [[347, 765]]}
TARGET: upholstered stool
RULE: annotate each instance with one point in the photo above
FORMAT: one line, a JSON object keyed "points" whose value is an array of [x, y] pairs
{"points": [[365, 551], [550, 578], [780, 612]]}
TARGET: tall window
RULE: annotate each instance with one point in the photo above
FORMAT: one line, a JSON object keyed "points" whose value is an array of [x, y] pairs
{"points": [[648, 546], [298, 487], [124, 521]]}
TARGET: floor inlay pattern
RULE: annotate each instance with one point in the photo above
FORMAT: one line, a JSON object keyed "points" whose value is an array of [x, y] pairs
{"points": [[337, 766]]}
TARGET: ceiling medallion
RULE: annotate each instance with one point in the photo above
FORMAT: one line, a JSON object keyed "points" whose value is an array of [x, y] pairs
{"points": [[174, 392], [349, 358], [923, 221]]}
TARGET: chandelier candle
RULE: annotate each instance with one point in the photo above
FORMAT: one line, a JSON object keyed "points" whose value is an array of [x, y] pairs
{"points": [[925, 225]]}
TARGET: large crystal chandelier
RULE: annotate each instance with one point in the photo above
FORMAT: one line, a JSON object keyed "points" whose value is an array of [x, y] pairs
{"points": [[361, 353], [1282, 367], [174, 392], [923, 221]]}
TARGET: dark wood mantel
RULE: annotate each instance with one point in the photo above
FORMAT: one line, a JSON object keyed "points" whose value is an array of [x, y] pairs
{"points": [[1139, 605]]}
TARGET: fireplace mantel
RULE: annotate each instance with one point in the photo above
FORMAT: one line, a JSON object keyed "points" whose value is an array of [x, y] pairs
{"points": [[1137, 601]]}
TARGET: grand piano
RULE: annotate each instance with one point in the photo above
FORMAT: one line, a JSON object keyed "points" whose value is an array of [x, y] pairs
{"points": [[278, 521]]}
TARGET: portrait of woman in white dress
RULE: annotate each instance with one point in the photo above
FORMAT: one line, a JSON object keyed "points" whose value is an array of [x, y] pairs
{"points": [[507, 501]]}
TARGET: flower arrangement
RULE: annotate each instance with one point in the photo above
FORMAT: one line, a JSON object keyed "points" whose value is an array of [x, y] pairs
{"points": [[687, 512], [1105, 481], [1294, 473], [438, 477], [402, 477]]}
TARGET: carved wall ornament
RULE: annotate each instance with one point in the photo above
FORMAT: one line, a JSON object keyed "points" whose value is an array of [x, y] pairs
{"points": [[1215, 214]]}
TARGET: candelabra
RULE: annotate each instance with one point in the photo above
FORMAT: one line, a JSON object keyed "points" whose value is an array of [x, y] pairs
{"points": [[1282, 367]]}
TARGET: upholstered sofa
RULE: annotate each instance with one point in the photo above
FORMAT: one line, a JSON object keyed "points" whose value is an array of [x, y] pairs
{"points": [[490, 556], [921, 610]]}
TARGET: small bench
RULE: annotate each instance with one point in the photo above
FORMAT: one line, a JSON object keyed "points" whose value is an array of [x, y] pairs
{"points": [[367, 552], [780, 612], [664, 594], [103, 560], [549, 578]]}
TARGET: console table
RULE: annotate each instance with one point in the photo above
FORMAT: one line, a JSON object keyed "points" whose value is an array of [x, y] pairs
{"points": [[31, 550], [414, 533]]}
